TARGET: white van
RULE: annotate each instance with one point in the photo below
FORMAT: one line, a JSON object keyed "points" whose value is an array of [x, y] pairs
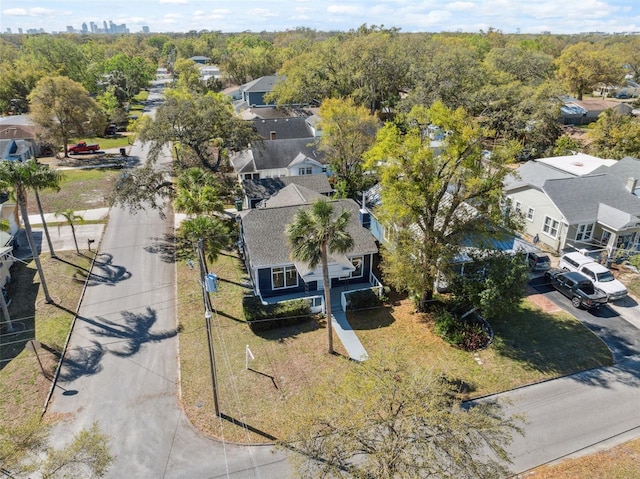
{"points": [[600, 276]]}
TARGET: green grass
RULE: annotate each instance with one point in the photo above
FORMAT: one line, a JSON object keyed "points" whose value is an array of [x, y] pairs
{"points": [[79, 190], [530, 346]]}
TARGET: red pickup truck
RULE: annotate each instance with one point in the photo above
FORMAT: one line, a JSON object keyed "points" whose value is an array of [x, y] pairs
{"points": [[82, 147]]}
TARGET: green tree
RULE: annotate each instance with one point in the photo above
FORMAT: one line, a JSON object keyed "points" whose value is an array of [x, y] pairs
{"points": [[348, 131], [62, 108], [142, 188], [497, 285], [198, 192], [614, 135], [134, 73], [314, 234], [58, 56], [20, 177], [433, 198], [583, 65], [71, 217], [188, 75], [396, 420], [565, 145], [248, 57], [215, 233], [86, 456], [205, 125]]}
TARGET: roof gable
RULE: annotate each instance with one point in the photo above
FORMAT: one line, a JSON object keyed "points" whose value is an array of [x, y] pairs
{"points": [[265, 187], [282, 128], [277, 154]]}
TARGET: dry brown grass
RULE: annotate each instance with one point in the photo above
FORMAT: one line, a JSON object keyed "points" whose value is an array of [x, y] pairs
{"points": [[620, 462], [288, 360], [23, 387]]}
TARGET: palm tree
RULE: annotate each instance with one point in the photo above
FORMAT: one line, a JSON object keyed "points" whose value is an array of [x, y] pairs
{"points": [[313, 235], [198, 192], [213, 231], [20, 177], [71, 216]]}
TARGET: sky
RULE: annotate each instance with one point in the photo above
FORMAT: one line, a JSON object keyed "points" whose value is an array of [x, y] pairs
{"points": [[508, 16]]}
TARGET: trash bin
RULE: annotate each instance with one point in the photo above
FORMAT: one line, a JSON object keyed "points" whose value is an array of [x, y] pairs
{"points": [[239, 205], [123, 152]]}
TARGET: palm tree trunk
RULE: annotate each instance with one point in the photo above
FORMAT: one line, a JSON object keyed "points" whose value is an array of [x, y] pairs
{"points": [[327, 296], [75, 240], [44, 224], [34, 250], [5, 312]]}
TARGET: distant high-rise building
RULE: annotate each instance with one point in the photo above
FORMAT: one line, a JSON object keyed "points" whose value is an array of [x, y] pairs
{"points": [[145, 29], [84, 27], [93, 27], [9, 31], [20, 31], [106, 28], [69, 29]]}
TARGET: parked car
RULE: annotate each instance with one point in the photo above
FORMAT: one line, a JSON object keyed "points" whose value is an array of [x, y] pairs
{"points": [[577, 287], [538, 261], [82, 147], [600, 276]]}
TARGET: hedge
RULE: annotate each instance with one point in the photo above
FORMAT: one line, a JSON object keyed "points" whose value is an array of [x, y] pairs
{"points": [[263, 317]]}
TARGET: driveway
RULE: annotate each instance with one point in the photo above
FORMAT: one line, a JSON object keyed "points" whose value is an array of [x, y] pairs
{"points": [[615, 323]]}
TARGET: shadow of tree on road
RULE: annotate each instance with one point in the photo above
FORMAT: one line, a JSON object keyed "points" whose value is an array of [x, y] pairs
{"points": [[134, 333], [82, 361], [165, 247], [107, 272]]}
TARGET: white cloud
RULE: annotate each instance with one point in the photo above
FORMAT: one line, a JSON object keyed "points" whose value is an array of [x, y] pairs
{"points": [[461, 6], [174, 2], [262, 12], [34, 12], [344, 9]]}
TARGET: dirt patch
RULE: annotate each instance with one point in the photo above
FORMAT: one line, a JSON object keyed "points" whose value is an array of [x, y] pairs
{"points": [[78, 161], [542, 302]]}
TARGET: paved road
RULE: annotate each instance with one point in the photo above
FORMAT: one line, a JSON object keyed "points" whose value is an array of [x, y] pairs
{"points": [[583, 412], [121, 368]]}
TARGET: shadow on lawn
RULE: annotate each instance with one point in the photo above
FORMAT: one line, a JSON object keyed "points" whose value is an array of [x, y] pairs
{"points": [[373, 318], [545, 343], [23, 294]]}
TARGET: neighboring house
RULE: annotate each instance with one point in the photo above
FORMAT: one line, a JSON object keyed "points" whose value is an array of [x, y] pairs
{"points": [[285, 128], [593, 211], [583, 112], [20, 127], [209, 71], [17, 150], [6, 258], [272, 159], [577, 165], [251, 95], [201, 60], [276, 276], [257, 191]]}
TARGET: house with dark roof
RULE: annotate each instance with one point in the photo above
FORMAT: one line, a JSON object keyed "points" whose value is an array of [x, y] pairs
{"points": [[17, 149], [251, 95], [257, 191], [276, 276], [583, 112], [272, 159], [285, 128], [599, 210]]}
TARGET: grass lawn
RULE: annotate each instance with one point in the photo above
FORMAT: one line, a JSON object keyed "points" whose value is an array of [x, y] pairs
{"points": [[79, 190], [23, 387], [530, 346]]}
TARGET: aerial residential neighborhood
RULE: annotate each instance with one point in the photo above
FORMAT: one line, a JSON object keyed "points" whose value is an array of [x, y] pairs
{"points": [[316, 253]]}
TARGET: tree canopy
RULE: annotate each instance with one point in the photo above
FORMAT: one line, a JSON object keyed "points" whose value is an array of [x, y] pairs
{"points": [[396, 420], [204, 125], [437, 190]]}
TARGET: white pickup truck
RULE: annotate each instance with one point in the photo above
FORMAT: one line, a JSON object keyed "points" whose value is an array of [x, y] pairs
{"points": [[600, 276]]}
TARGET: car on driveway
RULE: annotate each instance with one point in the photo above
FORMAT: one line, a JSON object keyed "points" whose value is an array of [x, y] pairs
{"points": [[538, 261], [577, 287], [600, 276]]}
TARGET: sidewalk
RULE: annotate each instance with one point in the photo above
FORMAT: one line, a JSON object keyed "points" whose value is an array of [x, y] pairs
{"points": [[61, 236]]}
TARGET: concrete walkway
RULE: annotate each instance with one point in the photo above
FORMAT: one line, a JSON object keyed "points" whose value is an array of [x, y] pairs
{"points": [[61, 234], [343, 329]]}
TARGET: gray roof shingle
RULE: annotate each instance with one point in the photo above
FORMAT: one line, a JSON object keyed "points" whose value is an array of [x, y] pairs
{"points": [[265, 187], [282, 128], [271, 155], [265, 237]]}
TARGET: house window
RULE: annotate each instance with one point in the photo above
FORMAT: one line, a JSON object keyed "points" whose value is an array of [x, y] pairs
{"points": [[284, 277], [518, 207], [530, 213], [358, 263], [585, 232], [305, 170], [550, 227]]}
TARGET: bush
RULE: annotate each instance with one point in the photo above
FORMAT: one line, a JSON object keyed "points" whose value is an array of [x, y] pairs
{"points": [[471, 333], [261, 317], [363, 299]]}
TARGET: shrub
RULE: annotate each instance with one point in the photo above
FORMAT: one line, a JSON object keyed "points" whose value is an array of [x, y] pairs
{"points": [[471, 333], [363, 299], [261, 317]]}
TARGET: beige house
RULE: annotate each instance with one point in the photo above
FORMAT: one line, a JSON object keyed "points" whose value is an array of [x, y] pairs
{"points": [[562, 210]]}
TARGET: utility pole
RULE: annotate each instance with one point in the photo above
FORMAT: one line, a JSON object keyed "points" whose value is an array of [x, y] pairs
{"points": [[207, 317]]}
